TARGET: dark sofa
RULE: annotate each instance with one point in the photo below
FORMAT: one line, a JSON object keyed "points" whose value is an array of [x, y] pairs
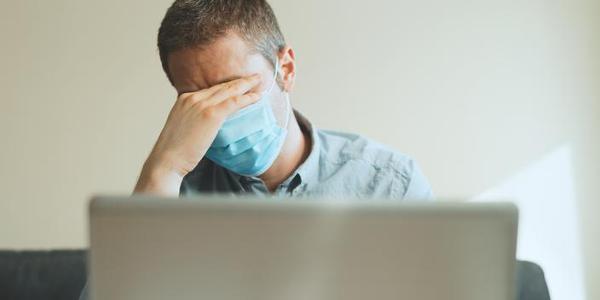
{"points": [[61, 275], [47, 275]]}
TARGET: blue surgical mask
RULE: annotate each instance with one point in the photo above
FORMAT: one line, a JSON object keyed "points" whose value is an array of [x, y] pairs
{"points": [[250, 140]]}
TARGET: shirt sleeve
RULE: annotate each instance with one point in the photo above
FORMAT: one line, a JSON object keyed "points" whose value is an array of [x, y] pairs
{"points": [[417, 186]]}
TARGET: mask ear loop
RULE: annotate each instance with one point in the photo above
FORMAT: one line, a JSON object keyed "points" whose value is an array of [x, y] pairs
{"points": [[287, 98], [287, 95], [270, 89], [287, 119]]}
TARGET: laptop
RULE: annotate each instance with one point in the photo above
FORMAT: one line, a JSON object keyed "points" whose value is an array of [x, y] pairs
{"points": [[238, 247]]}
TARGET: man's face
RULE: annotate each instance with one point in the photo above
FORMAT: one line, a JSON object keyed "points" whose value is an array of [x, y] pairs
{"points": [[226, 59]]}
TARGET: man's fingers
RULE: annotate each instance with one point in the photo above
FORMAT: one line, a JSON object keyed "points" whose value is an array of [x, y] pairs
{"points": [[235, 103], [216, 88], [220, 92], [233, 88]]}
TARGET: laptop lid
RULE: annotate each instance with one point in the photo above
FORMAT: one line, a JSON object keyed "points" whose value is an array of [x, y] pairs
{"points": [[219, 247]]}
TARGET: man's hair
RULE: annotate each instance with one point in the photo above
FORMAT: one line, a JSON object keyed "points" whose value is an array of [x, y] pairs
{"points": [[197, 23]]}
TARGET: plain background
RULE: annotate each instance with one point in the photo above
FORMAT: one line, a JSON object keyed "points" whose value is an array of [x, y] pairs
{"points": [[494, 99]]}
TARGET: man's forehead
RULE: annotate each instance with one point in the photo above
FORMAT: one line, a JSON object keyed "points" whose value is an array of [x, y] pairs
{"points": [[195, 69]]}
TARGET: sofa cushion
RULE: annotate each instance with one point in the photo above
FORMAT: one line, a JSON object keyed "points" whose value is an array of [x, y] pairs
{"points": [[44, 275]]}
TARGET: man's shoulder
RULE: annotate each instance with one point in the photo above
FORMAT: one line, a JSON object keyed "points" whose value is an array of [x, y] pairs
{"points": [[385, 171], [342, 147]]}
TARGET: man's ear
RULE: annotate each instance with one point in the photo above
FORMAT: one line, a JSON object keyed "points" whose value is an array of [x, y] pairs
{"points": [[287, 69]]}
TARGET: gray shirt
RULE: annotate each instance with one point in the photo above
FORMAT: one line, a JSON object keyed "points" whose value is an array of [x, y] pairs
{"points": [[339, 165]]}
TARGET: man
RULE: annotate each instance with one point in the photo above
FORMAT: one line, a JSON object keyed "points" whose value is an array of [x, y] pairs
{"points": [[232, 128]]}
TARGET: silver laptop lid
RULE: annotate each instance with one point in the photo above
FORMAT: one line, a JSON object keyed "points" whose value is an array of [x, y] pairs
{"points": [[227, 248]]}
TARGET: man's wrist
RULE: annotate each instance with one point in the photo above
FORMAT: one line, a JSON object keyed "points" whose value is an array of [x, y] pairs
{"points": [[159, 178]]}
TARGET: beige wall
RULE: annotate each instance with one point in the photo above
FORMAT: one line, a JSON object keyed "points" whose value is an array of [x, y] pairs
{"points": [[478, 91]]}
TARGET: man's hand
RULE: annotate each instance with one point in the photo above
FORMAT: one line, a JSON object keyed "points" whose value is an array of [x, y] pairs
{"points": [[190, 129]]}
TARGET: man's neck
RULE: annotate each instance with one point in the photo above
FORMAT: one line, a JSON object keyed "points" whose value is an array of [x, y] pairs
{"points": [[293, 153]]}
